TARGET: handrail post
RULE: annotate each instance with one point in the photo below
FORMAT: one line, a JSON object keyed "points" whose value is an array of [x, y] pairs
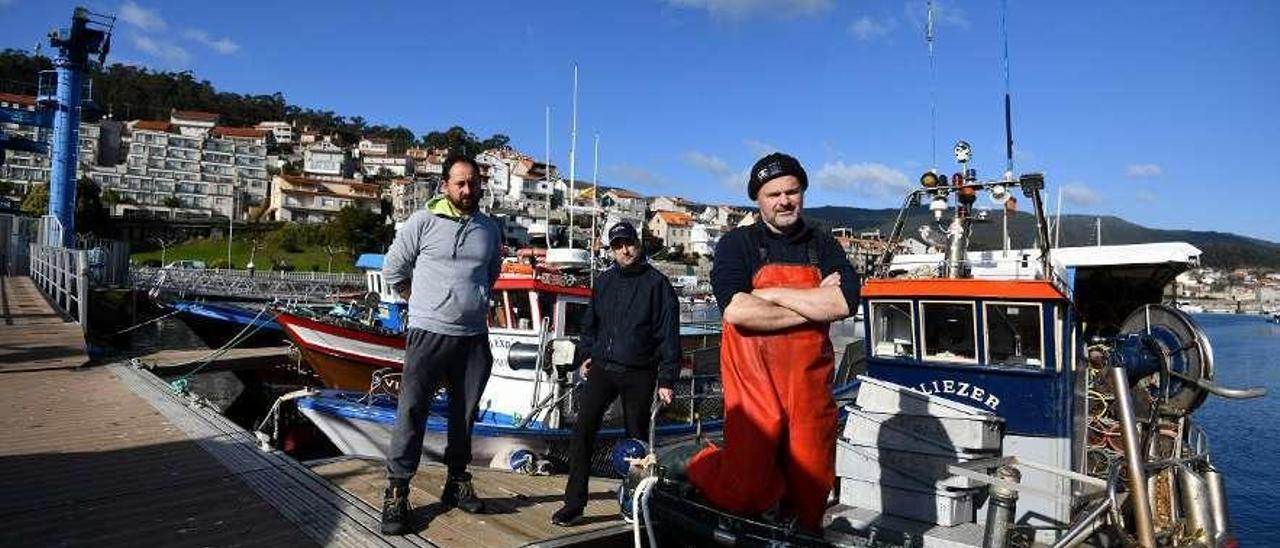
{"points": [[82, 289]]}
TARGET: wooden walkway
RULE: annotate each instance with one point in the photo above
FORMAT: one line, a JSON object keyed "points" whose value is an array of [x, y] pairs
{"points": [[109, 456], [33, 336], [519, 507]]}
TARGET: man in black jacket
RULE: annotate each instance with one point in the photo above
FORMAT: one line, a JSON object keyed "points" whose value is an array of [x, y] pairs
{"points": [[630, 343]]}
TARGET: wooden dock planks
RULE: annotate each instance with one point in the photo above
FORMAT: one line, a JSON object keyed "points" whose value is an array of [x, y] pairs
{"points": [[33, 336], [520, 507], [84, 461]]}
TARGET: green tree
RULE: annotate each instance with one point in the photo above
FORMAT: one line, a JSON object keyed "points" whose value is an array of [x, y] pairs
{"points": [[361, 231], [36, 203], [91, 214], [7, 188], [172, 201], [458, 139]]}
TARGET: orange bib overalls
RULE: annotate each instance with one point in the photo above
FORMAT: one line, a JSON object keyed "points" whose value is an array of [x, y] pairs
{"points": [[779, 416]]}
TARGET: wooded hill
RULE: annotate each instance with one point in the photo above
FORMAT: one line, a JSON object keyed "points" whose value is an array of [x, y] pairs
{"points": [[1221, 249]]}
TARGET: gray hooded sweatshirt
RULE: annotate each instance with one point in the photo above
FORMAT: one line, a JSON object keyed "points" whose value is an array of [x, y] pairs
{"points": [[451, 264]]}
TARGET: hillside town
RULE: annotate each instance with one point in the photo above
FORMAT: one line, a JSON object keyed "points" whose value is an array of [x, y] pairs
{"points": [[190, 167]]}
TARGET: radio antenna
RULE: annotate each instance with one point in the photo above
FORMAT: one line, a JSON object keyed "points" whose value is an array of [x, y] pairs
{"points": [[1008, 103], [933, 93]]}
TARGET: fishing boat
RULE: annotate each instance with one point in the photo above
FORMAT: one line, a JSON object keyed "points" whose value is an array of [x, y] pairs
{"points": [[219, 323], [529, 403], [1046, 390], [530, 303]]}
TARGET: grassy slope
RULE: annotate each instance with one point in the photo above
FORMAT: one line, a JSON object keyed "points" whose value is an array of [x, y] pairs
{"points": [[209, 250]]}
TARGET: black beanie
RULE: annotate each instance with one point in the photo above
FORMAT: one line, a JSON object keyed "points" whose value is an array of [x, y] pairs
{"points": [[773, 166]]}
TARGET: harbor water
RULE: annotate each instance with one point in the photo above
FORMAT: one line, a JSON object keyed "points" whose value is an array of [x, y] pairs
{"points": [[1243, 434]]}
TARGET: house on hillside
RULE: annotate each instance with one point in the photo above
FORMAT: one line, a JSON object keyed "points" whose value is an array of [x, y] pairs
{"points": [[672, 228], [311, 201], [193, 123]]}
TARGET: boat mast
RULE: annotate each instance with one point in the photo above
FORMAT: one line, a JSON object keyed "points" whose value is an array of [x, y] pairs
{"points": [[546, 176], [573, 151], [1008, 118], [595, 205], [933, 93]]}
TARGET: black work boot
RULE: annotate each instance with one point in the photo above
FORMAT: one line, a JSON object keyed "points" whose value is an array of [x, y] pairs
{"points": [[459, 493], [567, 516], [395, 510]]}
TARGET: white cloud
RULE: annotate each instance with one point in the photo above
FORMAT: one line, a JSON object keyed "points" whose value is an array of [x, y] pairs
{"points": [[1079, 194], [636, 175], [868, 29], [743, 9], [944, 15], [1143, 170], [223, 45], [866, 178], [759, 148], [1146, 196], [143, 18], [706, 162], [166, 51]]}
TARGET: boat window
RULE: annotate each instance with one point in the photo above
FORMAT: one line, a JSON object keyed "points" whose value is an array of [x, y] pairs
{"points": [[949, 331], [546, 307], [521, 310], [891, 329], [1013, 334], [498, 310], [575, 316]]}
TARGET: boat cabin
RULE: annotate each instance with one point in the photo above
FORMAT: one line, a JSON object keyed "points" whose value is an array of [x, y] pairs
{"points": [[1000, 345]]}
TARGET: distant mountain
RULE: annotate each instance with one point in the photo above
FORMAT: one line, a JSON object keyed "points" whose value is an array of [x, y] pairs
{"points": [[1221, 249]]}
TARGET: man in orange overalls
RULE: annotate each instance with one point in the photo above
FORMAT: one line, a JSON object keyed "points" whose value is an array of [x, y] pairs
{"points": [[779, 283]]}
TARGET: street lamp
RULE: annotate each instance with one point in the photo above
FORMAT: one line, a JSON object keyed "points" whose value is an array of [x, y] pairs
{"points": [[231, 227]]}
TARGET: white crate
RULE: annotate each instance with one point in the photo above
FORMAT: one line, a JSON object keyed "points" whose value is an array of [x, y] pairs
{"points": [[932, 435], [964, 433], [926, 506], [900, 468]]}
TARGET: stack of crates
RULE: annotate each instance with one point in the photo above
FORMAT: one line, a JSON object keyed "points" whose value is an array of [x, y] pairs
{"points": [[897, 443]]}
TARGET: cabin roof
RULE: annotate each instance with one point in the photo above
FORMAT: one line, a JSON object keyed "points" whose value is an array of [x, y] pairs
{"points": [[962, 288]]}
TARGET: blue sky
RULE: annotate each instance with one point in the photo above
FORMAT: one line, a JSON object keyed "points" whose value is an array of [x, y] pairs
{"points": [[1160, 112]]}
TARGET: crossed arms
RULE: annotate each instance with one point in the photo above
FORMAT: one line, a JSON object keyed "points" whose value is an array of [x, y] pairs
{"points": [[777, 308]]}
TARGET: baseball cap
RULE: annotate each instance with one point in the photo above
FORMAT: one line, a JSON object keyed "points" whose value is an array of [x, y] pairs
{"points": [[623, 229]]}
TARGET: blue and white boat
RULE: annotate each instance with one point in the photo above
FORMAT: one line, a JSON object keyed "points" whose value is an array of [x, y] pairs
{"points": [[218, 323], [362, 424], [1045, 389], [529, 405]]}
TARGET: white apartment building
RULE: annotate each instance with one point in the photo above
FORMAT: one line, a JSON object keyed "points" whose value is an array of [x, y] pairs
{"points": [[373, 146], [408, 196], [169, 174], [281, 131], [193, 123], [325, 159], [397, 166], [24, 169]]}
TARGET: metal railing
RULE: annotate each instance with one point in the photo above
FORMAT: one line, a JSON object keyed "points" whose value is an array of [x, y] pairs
{"points": [[293, 286], [62, 275]]}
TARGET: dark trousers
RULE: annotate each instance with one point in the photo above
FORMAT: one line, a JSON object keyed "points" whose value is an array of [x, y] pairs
{"points": [[429, 358], [603, 384]]}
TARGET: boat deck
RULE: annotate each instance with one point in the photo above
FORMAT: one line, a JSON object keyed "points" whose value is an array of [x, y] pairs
{"points": [[519, 506]]}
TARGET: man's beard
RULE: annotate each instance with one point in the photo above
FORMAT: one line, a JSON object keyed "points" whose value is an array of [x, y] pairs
{"points": [[466, 205]]}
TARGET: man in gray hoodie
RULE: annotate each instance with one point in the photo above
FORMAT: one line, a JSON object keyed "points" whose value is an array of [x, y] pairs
{"points": [[444, 260]]}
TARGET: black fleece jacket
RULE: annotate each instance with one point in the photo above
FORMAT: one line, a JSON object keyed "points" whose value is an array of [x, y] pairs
{"points": [[633, 322]]}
